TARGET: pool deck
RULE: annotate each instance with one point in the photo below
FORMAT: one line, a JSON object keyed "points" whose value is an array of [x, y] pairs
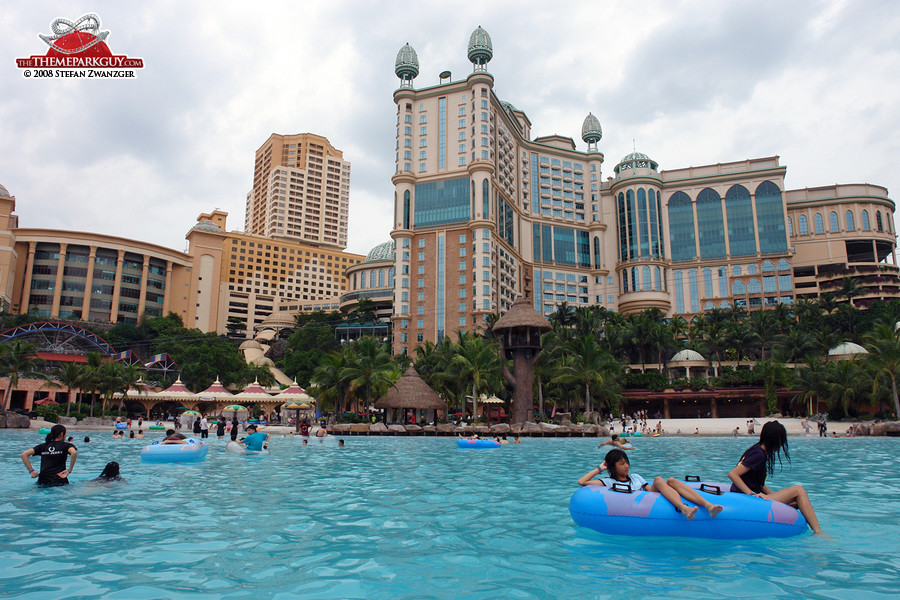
{"points": [[670, 427]]}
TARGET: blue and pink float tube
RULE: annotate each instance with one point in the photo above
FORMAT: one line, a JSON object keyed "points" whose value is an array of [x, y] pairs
{"points": [[476, 444], [643, 513]]}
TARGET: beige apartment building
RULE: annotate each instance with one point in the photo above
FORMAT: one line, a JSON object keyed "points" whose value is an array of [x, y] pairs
{"points": [[485, 212], [257, 275], [301, 191]]}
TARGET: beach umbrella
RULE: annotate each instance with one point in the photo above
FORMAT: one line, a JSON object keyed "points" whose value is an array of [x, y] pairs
{"points": [[491, 400], [234, 409], [45, 402], [190, 413]]}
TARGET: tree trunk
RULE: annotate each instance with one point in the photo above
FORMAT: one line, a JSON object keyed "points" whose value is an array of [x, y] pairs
{"points": [[896, 401], [541, 399], [587, 397], [474, 403]]}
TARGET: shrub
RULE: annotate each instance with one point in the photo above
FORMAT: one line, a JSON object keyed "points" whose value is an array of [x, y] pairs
{"points": [[654, 382], [48, 413]]}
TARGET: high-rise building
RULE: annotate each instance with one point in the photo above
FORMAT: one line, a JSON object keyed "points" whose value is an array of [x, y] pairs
{"points": [[301, 191], [484, 213]]}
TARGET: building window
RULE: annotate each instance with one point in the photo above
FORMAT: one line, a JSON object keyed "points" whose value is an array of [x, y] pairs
{"points": [[833, 222], [848, 221], [819, 223], [865, 220], [804, 225]]}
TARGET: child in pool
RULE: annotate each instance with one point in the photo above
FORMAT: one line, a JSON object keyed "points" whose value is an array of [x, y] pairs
{"points": [[749, 476], [618, 466]]}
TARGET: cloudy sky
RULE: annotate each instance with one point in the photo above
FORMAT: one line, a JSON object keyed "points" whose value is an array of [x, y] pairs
{"points": [[690, 82]]}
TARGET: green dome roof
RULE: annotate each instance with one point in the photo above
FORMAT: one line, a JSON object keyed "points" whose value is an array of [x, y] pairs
{"points": [[407, 64], [590, 130], [207, 225], [381, 253], [4, 193], [636, 160], [481, 51]]}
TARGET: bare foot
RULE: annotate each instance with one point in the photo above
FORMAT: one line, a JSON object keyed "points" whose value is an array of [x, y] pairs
{"points": [[715, 509], [689, 511]]}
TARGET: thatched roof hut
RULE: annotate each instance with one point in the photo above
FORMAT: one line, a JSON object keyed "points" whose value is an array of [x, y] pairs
{"points": [[411, 391], [521, 314]]}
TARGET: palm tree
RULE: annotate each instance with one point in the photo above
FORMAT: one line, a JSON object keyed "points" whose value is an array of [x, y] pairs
{"points": [[129, 376], [368, 367], [810, 383], [774, 374], [883, 344], [92, 370], [846, 385], [71, 375], [329, 381], [763, 329], [18, 361], [587, 365], [475, 362]]}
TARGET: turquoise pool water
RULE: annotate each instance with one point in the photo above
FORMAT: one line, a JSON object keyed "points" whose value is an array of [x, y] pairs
{"points": [[418, 518]]}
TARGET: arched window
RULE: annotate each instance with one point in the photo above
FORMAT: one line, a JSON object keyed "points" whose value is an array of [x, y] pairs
{"points": [[738, 289], [632, 230], [391, 277], [820, 224], [354, 281], [770, 218], [362, 280], [596, 252], [804, 225], [406, 209], [736, 270], [645, 278], [784, 265], [623, 230], [372, 278], [790, 227], [848, 221], [889, 225], [381, 278], [485, 199], [878, 224], [624, 281], [654, 223], [681, 226], [768, 266], [865, 220], [710, 227], [657, 282], [643, 223], [741, 234], [833, 222], [753, 286], [634, 279]]}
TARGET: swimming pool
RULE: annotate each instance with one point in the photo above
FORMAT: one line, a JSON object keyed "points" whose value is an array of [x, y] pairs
{"points": [[401, 517]]}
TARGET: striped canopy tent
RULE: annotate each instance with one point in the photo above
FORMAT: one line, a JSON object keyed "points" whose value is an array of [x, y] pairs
{"points": [[216, 393], [177, 391], [254, 393]]}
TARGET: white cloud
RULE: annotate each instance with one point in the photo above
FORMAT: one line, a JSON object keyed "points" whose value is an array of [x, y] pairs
{"points": [[692, 82]]}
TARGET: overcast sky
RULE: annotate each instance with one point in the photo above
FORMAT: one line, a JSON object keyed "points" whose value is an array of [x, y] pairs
{"points": [[692, 83]]}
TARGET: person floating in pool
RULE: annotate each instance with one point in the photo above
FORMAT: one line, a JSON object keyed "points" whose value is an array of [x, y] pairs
{"points": [[173, 437], [110, 473], [321, 432], [758, 461], [53, 453], [140, 434], [614, 441], [256, 440], [341, 443], [618, 468], [516, 439]]}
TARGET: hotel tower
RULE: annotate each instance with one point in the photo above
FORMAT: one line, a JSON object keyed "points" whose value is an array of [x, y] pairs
{"points": [[484, 212]]}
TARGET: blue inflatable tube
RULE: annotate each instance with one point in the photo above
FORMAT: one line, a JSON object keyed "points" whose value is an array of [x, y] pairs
{"points": [[649, 513], [473, 444], [121, 425], [193, 451]]}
